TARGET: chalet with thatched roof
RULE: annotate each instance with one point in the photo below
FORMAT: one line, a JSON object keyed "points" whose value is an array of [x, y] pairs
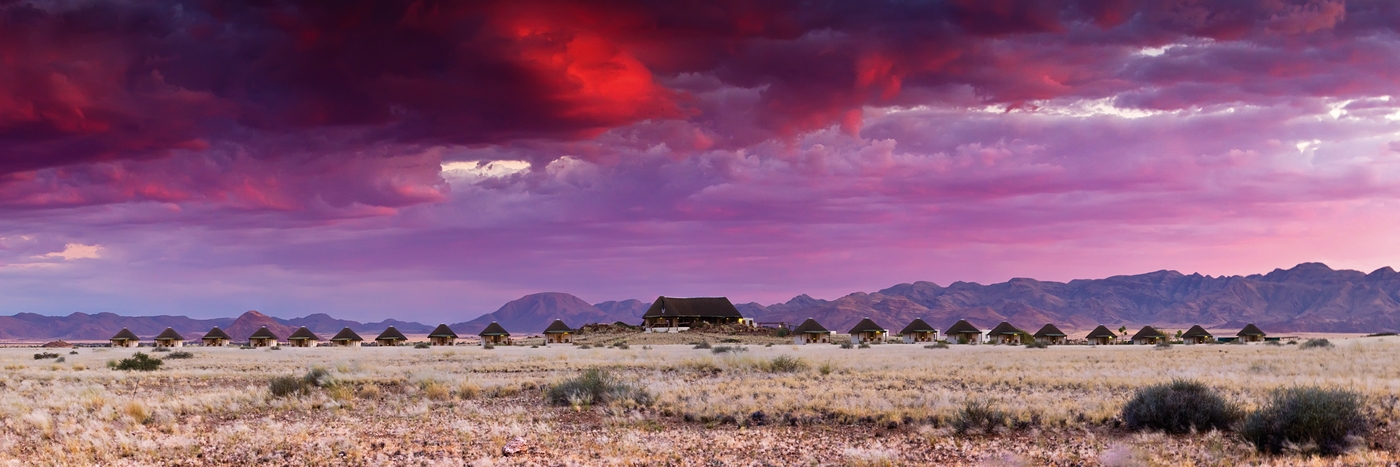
{"points": [[1148, 335], [964, 332], [125, 338], [443, 335], [1005, 333], [263, 337], [1197, 335], [810, 332], [170, 338], [671, 314], [558, 333], [1049, 334], [494, 334], [346, 338], [216, 338], [918, 331], [867, 331], [1251, 333], [391, 337], [303, 337], [1101, 336]]}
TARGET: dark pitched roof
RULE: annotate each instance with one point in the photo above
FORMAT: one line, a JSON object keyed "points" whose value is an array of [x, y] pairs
{"points": [[1049, 330], [709, 307], [263, 333], [1101, 331], [866, 325], [169, 333], [917, 325], [557, 327], [217, 333], [391, 334], [1196, 331], [1003, 329], [1148, 331], [125, 334], [443, 331], [1250, 330], [346, 335], [963, 327], [303, 333], [811, 326], [494, 329]]}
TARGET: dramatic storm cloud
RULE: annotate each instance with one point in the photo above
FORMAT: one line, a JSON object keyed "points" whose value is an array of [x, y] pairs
{"points": [[426, 159]]}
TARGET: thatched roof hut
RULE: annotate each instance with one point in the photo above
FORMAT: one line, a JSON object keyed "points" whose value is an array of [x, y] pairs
{"points": [[494, 334], [558, 333], [867, 331], [216, 338], [303, 337], [1148, 335], [263, 337], [442, 335], [964, 332], [391, 337], [672, 313], [1005, 333], [346, 338], [1197, 335], [169, 338], [810, 332], [1251, 333], [125, 338], [1050, 334], [1101, 336], [918, 330]]}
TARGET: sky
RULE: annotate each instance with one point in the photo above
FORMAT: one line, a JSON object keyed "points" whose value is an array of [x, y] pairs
{"points": [[435, 159]]}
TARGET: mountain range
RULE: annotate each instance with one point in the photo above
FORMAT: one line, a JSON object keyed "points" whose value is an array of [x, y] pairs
{"points": [[1307, 297]]}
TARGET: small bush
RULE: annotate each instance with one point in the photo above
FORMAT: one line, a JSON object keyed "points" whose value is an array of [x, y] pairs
{"points": [[1163, 345], [1179, 407], [283, 386], [1316, 344], [701, 345], [785, 364], [730, 341], [181, 355], [161, 349], [729, 348], [1273, 343], [1035, 345], [863, 346], [847, 345], [41, 356], [825, 368], [1382, 334], [488, 346], [1307, 418], [770, 344], [979, 416], [596, 386], [937, 345], [782, 332], [73, 352], [422, 345], [534, 346], [584, 346], [622, 345], [138, 362], [60, 360]]}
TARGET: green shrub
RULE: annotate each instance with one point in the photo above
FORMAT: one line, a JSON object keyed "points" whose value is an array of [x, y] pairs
{"points": [[1035, 345], [1179, 407], [283, 386], [161, 349], [730, 341], [847, 345], [73, 352], [596, 386], [41, 356], [585, 346], [179, 355], [729, 348], [1316, 344], [1307, 418], [937, 345], [785, 364], [138, 362], [826, 368], [488, 345], [782, 332], [422, 345], [1163, 345], [979, 416], [702, 345], [863, 346]]}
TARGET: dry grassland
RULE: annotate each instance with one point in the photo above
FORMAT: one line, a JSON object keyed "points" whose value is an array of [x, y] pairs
{"points": [[886, 405]]}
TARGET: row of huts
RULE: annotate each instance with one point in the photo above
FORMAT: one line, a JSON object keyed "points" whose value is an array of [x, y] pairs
{"points": [[963, 332], [494, 334]]}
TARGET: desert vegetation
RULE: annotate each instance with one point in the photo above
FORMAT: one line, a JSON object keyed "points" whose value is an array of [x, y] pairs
{"points": [[889, 404]]}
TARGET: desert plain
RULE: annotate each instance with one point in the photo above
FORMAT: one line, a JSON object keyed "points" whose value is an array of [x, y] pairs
{"points": [[765, 405]]}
